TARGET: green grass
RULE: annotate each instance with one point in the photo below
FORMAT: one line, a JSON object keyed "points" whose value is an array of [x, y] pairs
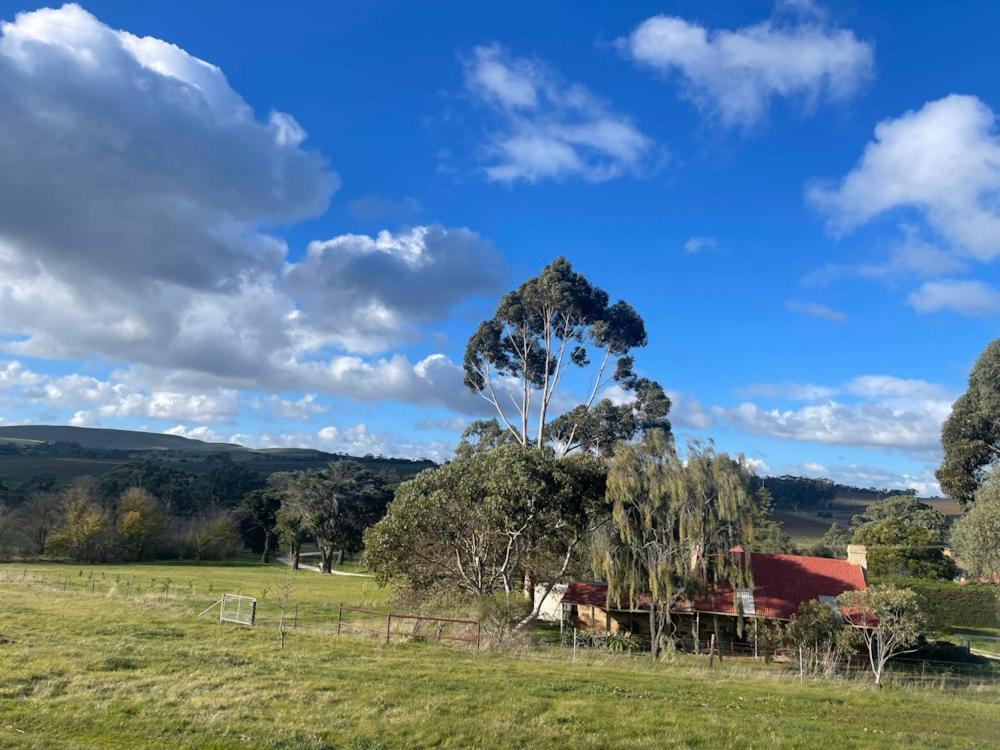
{"points": [[83, 671], [199, 584]]}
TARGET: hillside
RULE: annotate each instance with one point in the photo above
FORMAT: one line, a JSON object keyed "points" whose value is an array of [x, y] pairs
{"points": [[102, 439], [62, 453]]}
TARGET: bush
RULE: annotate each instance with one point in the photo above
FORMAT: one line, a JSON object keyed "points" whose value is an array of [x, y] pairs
{"points": [[215, 538], [949, 604]]}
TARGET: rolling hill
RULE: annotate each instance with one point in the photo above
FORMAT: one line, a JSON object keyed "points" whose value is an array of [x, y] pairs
{"points": [[102, 439], [62, 453]]}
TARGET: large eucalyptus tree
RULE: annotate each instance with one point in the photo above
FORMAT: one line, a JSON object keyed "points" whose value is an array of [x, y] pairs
{"points": [[553, 323]]}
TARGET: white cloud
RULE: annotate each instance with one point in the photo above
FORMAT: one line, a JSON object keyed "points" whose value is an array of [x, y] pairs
{"points": [[735, 74], [549, 128], [94, 399], [861, 475], [356, 440], [942, 161], [910, 258], [975, 299], [135, 186], [301, 409], [698, 244], [688, 412], [911, 424], [888, 386], [816, 310], [207, 434], [368, 293]]}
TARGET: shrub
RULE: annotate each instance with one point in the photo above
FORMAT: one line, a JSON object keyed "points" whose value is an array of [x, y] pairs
{"points": [[948, 604], [214, 538]]}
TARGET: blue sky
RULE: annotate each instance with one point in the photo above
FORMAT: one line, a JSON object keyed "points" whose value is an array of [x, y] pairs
{"points": [[290, 244]]}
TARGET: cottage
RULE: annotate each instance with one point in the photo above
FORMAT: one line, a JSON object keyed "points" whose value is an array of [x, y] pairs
{"points": [[780, 584]]}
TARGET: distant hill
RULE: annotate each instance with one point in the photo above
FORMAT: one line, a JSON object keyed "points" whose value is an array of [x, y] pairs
{"points": [[31, 453], [122, 440]]}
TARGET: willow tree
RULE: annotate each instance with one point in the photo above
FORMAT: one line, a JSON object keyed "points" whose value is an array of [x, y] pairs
{"points": [[550, 325], [971, 435], [672, 525]]}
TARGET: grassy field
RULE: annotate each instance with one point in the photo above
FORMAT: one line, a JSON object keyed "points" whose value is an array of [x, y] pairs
{"points": [[82, 670]]}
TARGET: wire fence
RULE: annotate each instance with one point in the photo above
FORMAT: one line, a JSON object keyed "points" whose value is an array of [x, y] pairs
{"points": [[789, 663], [342, 620], [273, 610]]}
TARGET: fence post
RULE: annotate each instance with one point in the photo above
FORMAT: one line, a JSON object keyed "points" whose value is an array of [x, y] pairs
{"points": [[574, 645], [711, 651], [802, 677], [65, 583], [388, 626], [340, 617], [93, 582], [479, 635]]}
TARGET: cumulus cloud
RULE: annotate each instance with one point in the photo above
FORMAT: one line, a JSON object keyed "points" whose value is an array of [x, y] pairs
{"points": [[549, 128], [941, 161], [94, 399], [975, 299], [136, 192], [735, 75], [206, 434], [871, 424], [356, 440], [816, 310], [371, 292], [867, 410], [300, 409]]}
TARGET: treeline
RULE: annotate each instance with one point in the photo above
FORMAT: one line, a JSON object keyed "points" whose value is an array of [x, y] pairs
{"points": [[794, 492], [158, 510]]}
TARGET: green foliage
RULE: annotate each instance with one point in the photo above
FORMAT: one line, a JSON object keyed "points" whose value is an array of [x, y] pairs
{"points": [[625, 643], [948, 604], [335, 505], [672, 525], [888, 619], [976, 535], [833, 543], [551, 323], [215, 538], [479, 526], [261, 510], [768, 535], [800, 492], [825, 642], [85, 532], [904, 537], [139, 525], [971, 435]]}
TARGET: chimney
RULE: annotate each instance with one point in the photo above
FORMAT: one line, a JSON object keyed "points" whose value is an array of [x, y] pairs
{"points": [[857, 554]]}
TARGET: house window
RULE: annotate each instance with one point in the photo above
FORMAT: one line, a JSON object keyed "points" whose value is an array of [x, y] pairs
{"points": [[744, 602]]}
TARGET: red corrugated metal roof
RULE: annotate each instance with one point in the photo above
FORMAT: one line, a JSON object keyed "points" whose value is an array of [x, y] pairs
{"points": [[780, 584]]}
